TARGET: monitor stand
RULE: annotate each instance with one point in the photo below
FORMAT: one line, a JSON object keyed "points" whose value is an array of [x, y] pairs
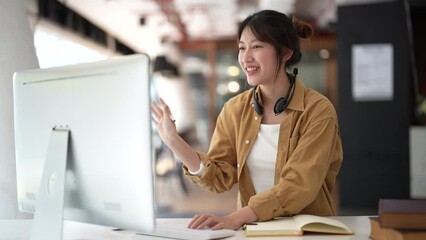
{"points": [[49, 213]]}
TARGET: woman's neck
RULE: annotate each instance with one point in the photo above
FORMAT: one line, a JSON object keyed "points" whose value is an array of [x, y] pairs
{"points": [[271, 92]]}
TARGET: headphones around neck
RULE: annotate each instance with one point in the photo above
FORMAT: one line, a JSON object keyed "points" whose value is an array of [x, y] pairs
{"points": [[282, 102]]}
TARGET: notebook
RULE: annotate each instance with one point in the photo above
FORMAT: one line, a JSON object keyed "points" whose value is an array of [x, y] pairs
{"points": [[297, 225]]}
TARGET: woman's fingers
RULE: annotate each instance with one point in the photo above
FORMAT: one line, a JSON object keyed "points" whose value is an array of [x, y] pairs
{"points": [[156, 111], [162, 102], [196, 220], [205, 221], [159, 111], [166, 110], [214, 222], [218, 226]]}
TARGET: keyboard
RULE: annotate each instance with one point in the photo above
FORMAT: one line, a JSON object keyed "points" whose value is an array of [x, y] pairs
{"points": [[177, 229]]}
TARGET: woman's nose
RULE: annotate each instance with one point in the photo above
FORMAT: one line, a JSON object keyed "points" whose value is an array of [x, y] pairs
{"points": [[247, 57]]}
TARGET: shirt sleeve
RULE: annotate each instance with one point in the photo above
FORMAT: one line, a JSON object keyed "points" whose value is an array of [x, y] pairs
{"points": [[304, 174], [200, 170], [220, 172]]}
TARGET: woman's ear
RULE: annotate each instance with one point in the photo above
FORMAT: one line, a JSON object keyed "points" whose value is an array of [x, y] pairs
{"points": [[287, 54]]}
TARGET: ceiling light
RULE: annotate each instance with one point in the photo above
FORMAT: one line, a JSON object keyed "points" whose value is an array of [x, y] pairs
{"points": [[221, 89], [233, 86], [233, 71], [324, 53]]}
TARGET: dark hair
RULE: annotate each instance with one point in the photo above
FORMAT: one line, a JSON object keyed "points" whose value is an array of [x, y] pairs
{"points": [[279, 30]]}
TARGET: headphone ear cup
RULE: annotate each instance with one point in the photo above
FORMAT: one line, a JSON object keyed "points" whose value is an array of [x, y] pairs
{"points": [[280, 105]]}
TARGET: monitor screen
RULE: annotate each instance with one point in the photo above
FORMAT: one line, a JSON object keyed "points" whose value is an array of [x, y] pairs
{"points": [[105, 107]]}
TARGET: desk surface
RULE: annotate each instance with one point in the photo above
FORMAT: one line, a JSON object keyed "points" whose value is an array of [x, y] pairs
{"points": [[20, 229]]}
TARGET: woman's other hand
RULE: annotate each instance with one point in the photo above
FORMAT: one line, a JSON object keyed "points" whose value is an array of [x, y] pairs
{"points": [[163, 120], [214, 222], [234, 220]]}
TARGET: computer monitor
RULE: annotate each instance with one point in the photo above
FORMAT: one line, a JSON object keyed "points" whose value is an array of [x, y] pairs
{"points": [[89, 127]]}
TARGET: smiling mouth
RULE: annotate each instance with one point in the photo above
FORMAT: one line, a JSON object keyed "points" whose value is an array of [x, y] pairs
{"points": [[252, 69]]}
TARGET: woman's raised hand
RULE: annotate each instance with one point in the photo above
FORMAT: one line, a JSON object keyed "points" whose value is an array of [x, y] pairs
{"points": [[163, 120]]}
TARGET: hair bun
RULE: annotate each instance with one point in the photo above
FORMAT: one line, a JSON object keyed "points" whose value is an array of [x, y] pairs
{"points": [[303, 29]]}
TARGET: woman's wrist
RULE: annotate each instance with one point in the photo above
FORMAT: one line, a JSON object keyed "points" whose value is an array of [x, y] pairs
{"points": [[182, 151], [244, 215], [170, 138]]}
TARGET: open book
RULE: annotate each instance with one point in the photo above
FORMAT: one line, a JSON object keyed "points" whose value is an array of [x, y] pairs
{"points": [[296, 225]]}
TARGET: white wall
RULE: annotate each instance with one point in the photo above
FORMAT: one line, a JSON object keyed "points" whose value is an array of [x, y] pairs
{"points": [[17, 52]]}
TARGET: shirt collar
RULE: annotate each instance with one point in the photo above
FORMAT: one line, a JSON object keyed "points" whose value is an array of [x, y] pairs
{"points": [[298, 99]]}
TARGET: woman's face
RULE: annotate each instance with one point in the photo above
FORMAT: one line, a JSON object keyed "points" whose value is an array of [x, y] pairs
{"points": [[257, 59]]}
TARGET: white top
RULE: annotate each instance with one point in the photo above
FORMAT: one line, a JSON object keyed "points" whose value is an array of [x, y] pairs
{"points": [[262, 158]]}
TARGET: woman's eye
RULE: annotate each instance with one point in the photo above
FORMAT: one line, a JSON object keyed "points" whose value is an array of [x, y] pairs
{"points": [[257, 46], [241, 48]]}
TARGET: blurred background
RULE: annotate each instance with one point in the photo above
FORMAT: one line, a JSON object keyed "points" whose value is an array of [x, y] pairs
{"points": [[193, 47]]}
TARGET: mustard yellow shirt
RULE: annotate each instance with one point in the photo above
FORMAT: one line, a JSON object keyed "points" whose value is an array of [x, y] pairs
{"points": [[308, 159]]}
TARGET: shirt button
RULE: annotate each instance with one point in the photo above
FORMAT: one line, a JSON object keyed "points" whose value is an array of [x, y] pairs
{"points": [[247, 141], [238, 165], [255, 118]]}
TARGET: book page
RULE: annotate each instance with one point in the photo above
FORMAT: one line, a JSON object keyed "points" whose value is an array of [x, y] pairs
{"points": [[279, 226], [314, 223]]}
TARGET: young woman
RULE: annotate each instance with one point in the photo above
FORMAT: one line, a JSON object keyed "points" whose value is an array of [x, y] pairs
{"points": [[279, 141]]}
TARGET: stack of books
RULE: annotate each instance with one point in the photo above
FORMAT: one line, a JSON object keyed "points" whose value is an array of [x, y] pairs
{"points": [[399, 219]]}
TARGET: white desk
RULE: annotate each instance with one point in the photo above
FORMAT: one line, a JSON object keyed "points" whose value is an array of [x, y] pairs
{"points": [[20, 230]]}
